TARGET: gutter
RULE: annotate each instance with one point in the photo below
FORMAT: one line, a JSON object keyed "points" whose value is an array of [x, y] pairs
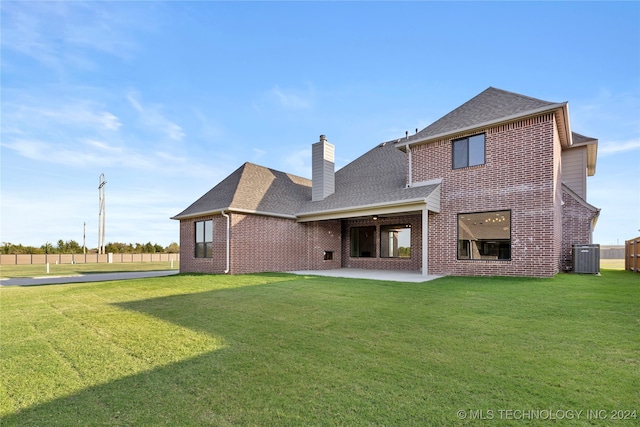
{"points": [[229, 209], [228, 242], [355, 210]]}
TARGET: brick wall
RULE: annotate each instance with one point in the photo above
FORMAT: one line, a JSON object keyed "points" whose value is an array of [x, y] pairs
{"points": [[188, 262], [557, 180], [377, 263], [519, 175], [262, 243]]}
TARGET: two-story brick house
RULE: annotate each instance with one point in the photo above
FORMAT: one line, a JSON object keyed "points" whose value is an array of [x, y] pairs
{"points": [[495, 187]]}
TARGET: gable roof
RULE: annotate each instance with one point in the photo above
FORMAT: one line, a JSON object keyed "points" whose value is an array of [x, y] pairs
{"points": [[377, 178], [595, 211], [253, 189], [376, 181], [492, 106]]}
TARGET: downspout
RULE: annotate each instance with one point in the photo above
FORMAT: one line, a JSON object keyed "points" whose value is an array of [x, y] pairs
{"points": [[410, 177], [425, 241], [228, 226]]}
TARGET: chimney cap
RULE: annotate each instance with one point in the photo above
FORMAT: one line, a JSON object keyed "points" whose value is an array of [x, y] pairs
{"points": [[323, 137]]}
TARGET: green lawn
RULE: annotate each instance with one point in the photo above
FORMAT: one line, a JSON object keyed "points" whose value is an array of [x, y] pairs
{"points": [[40, 270], [278, 350], [612, 264]]}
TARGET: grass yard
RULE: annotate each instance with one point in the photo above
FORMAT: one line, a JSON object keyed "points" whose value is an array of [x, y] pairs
{"points": [[38, 270], [278, 349], [611, 264]]}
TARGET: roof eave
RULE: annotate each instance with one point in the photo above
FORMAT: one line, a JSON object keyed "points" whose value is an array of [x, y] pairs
{"points": [[563, 106], [592, 157], [364, 210], [236, 210], [180, 217], [580, 200]]}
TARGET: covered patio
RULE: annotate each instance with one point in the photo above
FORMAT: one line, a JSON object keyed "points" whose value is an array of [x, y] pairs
{"points": [[359, 273]]}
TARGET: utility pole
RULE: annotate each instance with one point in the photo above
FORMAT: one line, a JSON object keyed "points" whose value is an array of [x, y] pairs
{"points": [[84, 239], [101, 215]]}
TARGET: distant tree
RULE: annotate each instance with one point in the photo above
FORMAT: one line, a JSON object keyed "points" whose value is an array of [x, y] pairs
{"points": [[29, 250], [66, 247], [112, 248], [173, 248], [404, 252], [73, 247]]}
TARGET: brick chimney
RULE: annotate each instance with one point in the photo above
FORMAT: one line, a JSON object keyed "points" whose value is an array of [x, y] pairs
{"points": [[323, 169]]}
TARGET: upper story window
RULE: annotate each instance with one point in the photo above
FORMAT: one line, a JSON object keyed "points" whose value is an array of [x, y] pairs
{"points": [[204, 239], [468, 151]]}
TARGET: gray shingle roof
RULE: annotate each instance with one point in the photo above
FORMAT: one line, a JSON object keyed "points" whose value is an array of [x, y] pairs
{"points": [[581, 139], [491, 105], [376, 177], [254, 188]]}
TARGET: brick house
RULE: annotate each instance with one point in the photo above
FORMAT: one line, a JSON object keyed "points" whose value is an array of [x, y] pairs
{"points": [[496, 187]]}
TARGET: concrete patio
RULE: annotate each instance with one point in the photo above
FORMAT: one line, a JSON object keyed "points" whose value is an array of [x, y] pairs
{"points": [[357, 273]]}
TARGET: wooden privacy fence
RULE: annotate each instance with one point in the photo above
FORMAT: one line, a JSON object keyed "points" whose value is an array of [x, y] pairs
{"points": [[612, 252], [632, 255], [25, 259]]}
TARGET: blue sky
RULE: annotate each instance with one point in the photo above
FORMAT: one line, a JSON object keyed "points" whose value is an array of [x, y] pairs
{"points": [[169, 98]]}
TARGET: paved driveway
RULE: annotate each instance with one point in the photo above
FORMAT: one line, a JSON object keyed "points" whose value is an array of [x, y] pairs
{"points": [[82, 278]]}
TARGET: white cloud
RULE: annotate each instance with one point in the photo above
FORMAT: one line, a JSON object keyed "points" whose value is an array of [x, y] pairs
{"points": [[209, 130], [103, 146], [298, 163], [42, 112], [613, 147], [291, 99], [258, 154], [152, 119], [66, 34]]}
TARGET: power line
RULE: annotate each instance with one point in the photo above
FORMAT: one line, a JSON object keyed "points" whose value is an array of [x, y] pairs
{"points": [[101, 214]]}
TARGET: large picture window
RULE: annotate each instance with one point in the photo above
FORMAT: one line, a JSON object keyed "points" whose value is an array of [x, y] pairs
{"points": [[363, 242], [484, 236], [468, 151], [204, 239], [395, 241]]}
